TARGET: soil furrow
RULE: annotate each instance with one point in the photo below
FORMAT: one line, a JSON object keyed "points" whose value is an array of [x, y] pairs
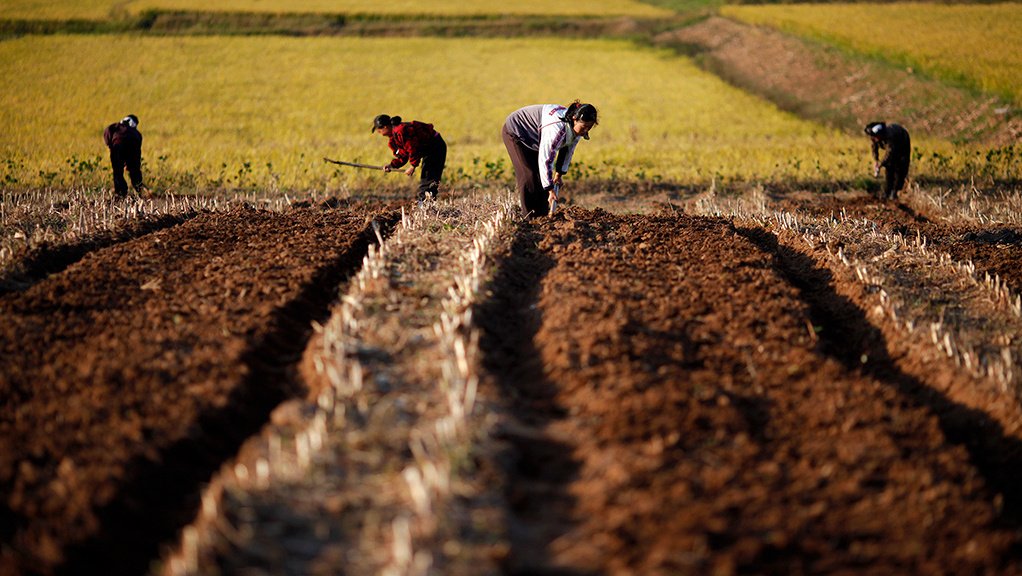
{"points": [[39, 263], [847, 335], [994, 249], [137, 371], [540, 465], [708, 432]]}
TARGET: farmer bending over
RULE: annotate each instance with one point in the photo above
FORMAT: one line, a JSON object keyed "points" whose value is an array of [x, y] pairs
{"points": [[541, 140], [896, 141], [414, 142], [125, 144]]}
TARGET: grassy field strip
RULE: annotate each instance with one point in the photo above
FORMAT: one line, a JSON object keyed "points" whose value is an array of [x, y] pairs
{"points": [[59, 10], [979, 45], [100, 9], [977, 323], [367, 471], [245, 112]]}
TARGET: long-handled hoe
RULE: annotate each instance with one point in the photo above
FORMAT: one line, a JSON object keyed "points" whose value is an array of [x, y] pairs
{"points": [[352, 164]]}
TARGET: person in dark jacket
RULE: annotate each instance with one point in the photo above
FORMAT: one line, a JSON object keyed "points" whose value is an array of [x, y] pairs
{"points": [[414, 143], [125, 144], [895, 139], [541, 140]]}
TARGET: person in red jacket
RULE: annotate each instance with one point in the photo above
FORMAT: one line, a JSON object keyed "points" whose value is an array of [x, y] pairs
{"points": [[414, 143], [125, 144]]}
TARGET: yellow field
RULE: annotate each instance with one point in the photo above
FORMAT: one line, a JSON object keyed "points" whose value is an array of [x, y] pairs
{"points": [[100, 9], [58, 10], [978, 44], [258, 111]]}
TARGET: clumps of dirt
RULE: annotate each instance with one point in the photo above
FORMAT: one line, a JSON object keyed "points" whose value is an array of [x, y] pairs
{"points": [[51, 258], [681, 416], [131, 375], [993, 249], [831, 86]]}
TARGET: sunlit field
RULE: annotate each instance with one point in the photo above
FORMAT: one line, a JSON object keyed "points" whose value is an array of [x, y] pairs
{"points": [[99, 9], [262, 112], [979, 45], [58, 10]]}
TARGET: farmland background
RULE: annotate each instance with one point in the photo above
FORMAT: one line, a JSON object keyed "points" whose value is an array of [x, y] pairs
{"points": [[723, 353], [98, 9], [977, 45], [263, 111]]}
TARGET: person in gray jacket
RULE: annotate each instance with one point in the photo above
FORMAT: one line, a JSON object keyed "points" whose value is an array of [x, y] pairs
{"points": [[895, 139], [541, 140]]}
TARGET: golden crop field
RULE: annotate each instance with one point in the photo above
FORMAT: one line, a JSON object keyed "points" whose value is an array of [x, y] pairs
{"points": [[99, 9], [58, 10], [251, 110], [979, 45]]}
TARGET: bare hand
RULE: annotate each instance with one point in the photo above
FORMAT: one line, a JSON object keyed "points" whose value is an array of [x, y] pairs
{"points": [[387, 168], [410, 170]]}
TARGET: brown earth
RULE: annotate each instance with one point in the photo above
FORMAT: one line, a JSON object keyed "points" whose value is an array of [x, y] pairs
{"points": [[994, 249], [696, 403], [827, 85], [129, 377]]}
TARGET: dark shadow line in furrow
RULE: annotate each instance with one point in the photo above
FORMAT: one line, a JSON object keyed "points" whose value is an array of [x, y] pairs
{"points": [[161, 497], [848, 334], [41, 262], [534, 463]]}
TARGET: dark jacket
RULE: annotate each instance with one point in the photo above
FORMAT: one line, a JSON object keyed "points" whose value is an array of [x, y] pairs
{"points": [[122, 136], [894, 138]]}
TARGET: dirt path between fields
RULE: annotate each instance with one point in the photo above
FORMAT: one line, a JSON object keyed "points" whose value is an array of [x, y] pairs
{"points": [[829, 86], [679, 414], [132, 375]]}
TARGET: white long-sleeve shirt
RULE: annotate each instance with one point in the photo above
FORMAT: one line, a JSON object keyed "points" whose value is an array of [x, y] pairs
{"points": [[541, 127]]}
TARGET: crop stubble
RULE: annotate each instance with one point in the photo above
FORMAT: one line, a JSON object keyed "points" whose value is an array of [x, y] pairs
{"points": [[134, 373], [681, 415], [680, 394]]}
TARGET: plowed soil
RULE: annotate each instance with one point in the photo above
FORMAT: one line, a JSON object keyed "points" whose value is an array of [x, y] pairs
{"points": [[683, 396], [679, 414], [994, 249], [129, 377]]}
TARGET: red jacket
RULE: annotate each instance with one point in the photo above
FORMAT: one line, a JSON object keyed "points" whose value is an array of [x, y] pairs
{"points": [[410, 141]]}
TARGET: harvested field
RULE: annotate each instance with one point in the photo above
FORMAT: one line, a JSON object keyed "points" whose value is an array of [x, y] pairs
{"points": [[130, 376], [824, 83], [729, 392], [687, 406]]}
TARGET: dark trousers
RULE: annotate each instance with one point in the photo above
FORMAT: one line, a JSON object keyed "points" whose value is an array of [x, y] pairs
{"points": [[530, 187], [895, 173], [129, 157], [432, 168]]}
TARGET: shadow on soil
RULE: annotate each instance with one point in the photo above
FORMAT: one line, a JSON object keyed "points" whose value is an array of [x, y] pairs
{"points": [[538, 468], [163, 495], [53, 259], [848, 334]]}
